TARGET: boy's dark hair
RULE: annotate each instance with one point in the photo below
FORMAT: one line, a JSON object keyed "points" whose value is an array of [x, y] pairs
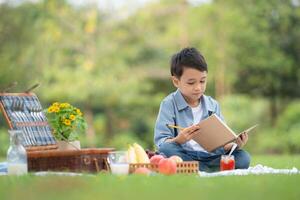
{"points": [[187, 57]]}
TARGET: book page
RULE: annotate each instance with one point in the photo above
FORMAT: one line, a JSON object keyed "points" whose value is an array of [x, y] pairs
{"points": [[214, 133], [248, 130]]}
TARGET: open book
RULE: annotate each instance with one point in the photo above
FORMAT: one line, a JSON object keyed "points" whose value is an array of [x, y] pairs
{"points": [[215, 133]]}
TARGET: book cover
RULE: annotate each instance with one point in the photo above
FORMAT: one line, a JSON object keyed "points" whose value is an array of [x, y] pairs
{"points": [[215, 133]]}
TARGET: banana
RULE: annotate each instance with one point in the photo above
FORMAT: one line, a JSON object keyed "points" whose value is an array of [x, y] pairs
{"points": [[141, 155], [131, 155]]}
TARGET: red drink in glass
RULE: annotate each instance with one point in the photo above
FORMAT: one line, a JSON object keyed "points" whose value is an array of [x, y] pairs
{"points": [[227, 162]]}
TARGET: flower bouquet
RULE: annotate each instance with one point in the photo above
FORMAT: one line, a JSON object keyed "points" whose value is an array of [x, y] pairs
{"points": [[66, 121]]}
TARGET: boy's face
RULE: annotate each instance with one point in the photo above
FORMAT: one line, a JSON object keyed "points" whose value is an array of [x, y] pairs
{"points": [[192, 84]]}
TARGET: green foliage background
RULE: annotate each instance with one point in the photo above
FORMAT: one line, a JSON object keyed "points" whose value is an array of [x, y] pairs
{"points": [[116, 69]]}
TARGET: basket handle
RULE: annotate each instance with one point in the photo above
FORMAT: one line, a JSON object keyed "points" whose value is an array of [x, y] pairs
{"points": [[32, 88], [106, 162], [96, 164]]}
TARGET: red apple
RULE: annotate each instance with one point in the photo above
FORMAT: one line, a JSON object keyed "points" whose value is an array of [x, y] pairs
{"points": [[142, 170], [167, 166], [177, 159], [155, 159]]}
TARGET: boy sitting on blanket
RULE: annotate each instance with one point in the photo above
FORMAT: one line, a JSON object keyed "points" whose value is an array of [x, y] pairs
{"points": [[186, 107]]}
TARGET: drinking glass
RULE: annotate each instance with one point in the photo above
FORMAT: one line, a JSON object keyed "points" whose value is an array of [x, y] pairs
{"points": [[118, 162], [227, 162]]}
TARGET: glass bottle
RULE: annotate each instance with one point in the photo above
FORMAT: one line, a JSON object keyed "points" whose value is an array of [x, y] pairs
{"points": [[16, 154]]}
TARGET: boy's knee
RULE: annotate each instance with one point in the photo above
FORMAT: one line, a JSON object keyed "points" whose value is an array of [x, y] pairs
{"points": [[168, 148], [242, 159]]}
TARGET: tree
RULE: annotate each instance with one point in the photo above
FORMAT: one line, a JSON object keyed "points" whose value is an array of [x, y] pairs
{"points": [[83, 62], [16, 35], [269, 51]]}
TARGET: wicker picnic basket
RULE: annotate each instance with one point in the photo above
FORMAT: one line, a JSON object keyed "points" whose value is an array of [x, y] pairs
{"points": [[190, 167], [23, 111], [83, 160]]}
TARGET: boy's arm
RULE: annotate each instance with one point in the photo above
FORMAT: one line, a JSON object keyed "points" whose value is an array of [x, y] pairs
{"points": [[166, 115]]}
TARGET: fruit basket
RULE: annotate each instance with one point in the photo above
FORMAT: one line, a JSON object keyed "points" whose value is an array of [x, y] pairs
{"points": [[144, 162], [190, 167]]}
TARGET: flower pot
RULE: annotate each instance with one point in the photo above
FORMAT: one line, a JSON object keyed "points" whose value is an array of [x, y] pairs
{"points": [[64, 145]]}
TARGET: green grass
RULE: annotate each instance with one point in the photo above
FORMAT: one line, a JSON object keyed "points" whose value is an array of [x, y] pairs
{"points": [[275, 161], [106, 187]]}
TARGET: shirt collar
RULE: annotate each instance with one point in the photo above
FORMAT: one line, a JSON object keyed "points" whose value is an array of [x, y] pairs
{"points": [[180, 101], [182, 104], [207, 106]]}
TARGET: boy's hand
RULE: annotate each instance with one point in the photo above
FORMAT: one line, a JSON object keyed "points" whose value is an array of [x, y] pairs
{"points": [[228, 146], [242, 140], [187, 134]]}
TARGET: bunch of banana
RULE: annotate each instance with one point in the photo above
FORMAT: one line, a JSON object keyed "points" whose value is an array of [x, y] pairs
{"points": [[131, 155], [136, 154], [141, 155]]}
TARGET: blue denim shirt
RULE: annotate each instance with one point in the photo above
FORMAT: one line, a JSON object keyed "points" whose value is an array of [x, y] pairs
{"points": [[175, 110]]}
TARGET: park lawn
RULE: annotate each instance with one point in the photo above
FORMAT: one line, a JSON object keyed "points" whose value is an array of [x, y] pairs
{"points": [[276, 161], [106, 186]]}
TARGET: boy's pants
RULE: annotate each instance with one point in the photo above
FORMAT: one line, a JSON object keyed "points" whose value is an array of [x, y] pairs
{"points": [[207, 161]]}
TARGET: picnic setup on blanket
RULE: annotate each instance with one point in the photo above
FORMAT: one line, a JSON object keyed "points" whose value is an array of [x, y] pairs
{"points": [[27, 121], [29, 128]]}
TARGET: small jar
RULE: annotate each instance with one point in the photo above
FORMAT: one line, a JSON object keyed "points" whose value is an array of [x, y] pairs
{"points": [[227, 162]]}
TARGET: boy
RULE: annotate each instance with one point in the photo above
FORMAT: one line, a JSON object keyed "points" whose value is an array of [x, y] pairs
{"points": [[186, 107]]}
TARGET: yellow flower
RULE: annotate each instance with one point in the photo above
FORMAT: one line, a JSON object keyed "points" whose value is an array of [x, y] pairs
{"points": [[67, 122], [56, 109], [51, 109], [72, 117], [55, 104], [67, 105], [78, 112], [64, 105]]}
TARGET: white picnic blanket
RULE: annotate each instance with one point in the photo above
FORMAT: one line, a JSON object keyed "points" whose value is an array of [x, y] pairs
{"points": [[256, 170]]}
